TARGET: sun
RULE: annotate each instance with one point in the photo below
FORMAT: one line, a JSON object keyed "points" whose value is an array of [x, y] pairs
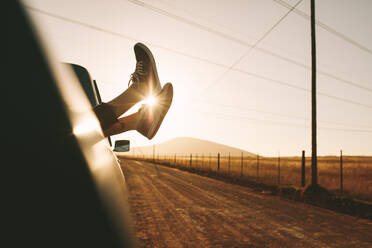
{"points": [[150, 101]]}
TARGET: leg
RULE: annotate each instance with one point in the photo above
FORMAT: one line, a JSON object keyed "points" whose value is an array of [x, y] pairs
{"points": [[147, 120], [123, 124], [144, 81], [123, 102]]}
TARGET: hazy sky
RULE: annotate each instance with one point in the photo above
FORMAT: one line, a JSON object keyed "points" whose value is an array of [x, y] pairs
{"points": [[258, 102]]}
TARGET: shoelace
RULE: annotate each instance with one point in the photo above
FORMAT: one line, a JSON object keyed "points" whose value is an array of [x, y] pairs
{"points": [[135, 76]]}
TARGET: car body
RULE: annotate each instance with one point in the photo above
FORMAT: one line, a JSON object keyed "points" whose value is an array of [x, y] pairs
{"points": [[64, 186]]}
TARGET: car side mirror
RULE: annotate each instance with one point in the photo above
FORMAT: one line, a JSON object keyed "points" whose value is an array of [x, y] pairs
{"points": [[121, 146]]}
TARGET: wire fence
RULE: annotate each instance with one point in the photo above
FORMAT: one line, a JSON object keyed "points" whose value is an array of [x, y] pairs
{"points": [[344, 175]]}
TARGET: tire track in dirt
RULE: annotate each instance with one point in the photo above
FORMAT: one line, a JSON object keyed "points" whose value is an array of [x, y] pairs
{"points": [[192, 237], [181, 201], [166, 228], [283, 227], [228, 221], [145, 211], [201, 218], [284, 214], [173, 208]]}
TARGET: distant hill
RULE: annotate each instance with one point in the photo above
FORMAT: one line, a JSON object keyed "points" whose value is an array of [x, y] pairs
{"points": [[185, 145]]}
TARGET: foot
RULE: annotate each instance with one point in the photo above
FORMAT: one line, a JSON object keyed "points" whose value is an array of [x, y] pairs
{"points": [[145, 78], [151, 117]]}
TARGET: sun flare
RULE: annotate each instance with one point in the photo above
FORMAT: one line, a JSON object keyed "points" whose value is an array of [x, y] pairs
{"points": [[151, 101]]}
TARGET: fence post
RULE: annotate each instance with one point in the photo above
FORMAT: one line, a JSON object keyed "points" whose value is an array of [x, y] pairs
{"points": [[210, 157], [241, 166], [190, 160], [279, 169], [196, 161], [258, 165], [175, 159], [228, 172], [303, 177], [218, 161], [341, 174], [202, 161]]}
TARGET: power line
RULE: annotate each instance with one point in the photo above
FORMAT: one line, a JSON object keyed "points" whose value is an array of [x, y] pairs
{"points": [[325, 27], [287, 124], [193, 57], [174, 6], [279, 114], [269, 31], [241, 42], [231, 29], [80, 23], [254, 45], [301, 88]]}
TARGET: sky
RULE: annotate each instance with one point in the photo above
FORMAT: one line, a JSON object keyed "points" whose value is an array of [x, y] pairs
{"points": [[234, 82]]}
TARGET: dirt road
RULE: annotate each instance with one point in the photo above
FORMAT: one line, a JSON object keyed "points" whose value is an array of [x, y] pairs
{"points": [[173, 208]]}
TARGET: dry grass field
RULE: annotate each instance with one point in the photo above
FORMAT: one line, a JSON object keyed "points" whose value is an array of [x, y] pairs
{"points": [[357, 170]]}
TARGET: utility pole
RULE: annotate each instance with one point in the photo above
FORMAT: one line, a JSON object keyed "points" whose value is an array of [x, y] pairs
{"points": [[229, 165], [258, 167], [279, 168], [314, 166], [341, 174], [241, 165], [303, 178]]}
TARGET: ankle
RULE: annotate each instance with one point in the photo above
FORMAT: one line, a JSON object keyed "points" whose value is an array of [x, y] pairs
{"points": [[125, 101], [131, 121]]}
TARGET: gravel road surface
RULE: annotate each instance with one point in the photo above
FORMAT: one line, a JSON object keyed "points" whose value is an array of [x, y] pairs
{"points": [[173, 208]]}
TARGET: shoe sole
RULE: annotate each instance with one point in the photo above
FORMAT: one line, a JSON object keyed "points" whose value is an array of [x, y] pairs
{"points": [[159, 117], [152, 60]]}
